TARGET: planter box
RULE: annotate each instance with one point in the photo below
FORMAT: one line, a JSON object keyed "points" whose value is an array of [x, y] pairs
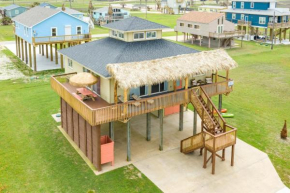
{"points": [[107, 150]]}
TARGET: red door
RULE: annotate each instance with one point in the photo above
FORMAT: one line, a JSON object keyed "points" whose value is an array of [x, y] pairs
{"points": [[173, 109]]}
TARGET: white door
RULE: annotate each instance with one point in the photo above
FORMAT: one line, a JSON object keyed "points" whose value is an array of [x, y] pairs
{"points": [[67, 32]]}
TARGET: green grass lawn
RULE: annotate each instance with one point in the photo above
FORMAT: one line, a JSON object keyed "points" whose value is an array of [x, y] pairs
{"points": [[36, 157], [6, 33], [99, 30]]}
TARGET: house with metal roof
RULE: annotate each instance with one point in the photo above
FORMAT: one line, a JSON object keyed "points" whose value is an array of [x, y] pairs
{"points": [[42, 27], [207, 28], [252, 15], [136, 72], [12, 10], [101, 15], [47, 5]]}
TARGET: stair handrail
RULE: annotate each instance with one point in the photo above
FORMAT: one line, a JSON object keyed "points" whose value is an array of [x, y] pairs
{"points": [[204, 111], [214, 109]]}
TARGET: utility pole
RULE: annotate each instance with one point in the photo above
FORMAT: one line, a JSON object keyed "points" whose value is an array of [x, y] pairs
{"points": [[273, 31]]}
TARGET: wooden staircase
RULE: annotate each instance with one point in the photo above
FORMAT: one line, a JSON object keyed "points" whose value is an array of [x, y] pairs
{"points": [[216, 135]]}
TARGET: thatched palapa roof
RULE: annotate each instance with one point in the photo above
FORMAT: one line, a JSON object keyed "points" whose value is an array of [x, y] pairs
{"points": [[135, 74]]}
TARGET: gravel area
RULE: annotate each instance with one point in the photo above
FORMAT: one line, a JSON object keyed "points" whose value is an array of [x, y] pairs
{"points": [[7, 69]]}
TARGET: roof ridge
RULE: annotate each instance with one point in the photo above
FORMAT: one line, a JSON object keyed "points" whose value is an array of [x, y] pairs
{"points": [[134, 17]]}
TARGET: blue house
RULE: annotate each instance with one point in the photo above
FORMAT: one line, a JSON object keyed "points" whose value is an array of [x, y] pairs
{"points": [[101, 15], [12, 10], [41, 27], [255, 14], [47, 5]]}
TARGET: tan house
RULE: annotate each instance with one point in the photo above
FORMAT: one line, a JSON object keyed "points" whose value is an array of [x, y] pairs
{"points": [[140, 73], [209, 29]]}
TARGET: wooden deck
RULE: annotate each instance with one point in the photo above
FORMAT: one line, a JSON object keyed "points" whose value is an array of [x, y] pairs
{"points": [[279, 25], [61, 39], [99, 111], [244, 23], [230, 34]]}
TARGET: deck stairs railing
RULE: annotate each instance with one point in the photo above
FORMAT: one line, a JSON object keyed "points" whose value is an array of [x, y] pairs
{"points": [[215, 131]]}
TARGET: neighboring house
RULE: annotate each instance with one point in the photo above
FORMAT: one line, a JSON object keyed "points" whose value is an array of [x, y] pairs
{"points": [[172, 5], [255, 14], [211, 8], [72, 12], [41, 27], [136, 60], [13, 10], [101, 15], [47, 5], [211, 29]]}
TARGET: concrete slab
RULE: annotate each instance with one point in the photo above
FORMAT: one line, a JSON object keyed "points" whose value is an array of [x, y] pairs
{"points": [[173, 171], [43, 63], [56, 117]]}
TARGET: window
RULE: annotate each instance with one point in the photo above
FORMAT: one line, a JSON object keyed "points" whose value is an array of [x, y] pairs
{"points": [[79, 29], [70, 63], [53, 31], [16, 12], [151, 34], [181, 24], [86, 70], [242, 5], [233, 16], [139, 36], [121, 35], [262, 20], [189, 25], [142, 90], [222, 20], [158, 88], [196, 26], [242, 17], [114, 33], [218, 21], [284, 19], [234, 4], [100, 14], [252, 4]]}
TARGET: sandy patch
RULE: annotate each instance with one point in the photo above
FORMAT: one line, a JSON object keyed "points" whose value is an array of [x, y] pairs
{"points": [[7, 69]]}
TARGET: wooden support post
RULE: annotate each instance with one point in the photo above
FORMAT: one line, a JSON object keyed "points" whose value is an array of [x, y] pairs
{"points": [[199, 40], [26, 54], [191, 39], [194, 121], [116, 92], [209, 42], [125, 100], [34, 59], [19, 49], [177, 36], [219, 43], [111, 130], [46, 50], [181, 117], [183, 37], [148, 127], [220, 102], [30, 56], [128, 141], [42, 49], [174, 86], [233, 155], [216, 76], [160, 113], [56, 55], [16, 44], [280, 35], [284, 34], [213, 162], [22, 49], [205, 157], [51, 53], [227, 74], [61, 56], [242, 42]]}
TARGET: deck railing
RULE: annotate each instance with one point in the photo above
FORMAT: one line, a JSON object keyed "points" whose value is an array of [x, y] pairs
{"points": [[123, 111], [228, 34], [242, 22], [279, 25], [60, 39]]}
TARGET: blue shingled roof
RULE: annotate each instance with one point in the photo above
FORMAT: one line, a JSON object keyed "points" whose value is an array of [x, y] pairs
{"points": [[96, 55], [134, 24]]}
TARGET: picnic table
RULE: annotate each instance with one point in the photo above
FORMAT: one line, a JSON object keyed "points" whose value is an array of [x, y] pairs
{"points": [[84, 94]]}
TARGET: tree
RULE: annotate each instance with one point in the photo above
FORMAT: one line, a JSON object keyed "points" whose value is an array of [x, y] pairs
{"points": [[90, 9], [6, 21], [34, 4]]}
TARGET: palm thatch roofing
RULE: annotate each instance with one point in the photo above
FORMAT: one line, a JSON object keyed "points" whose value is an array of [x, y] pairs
{"points": [[136, 74]]}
